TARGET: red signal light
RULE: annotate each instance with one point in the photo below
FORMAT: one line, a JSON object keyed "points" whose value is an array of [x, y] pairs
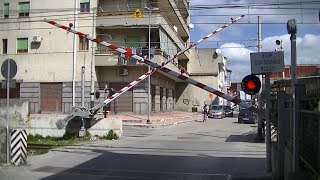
{"points": [[251, 84]]}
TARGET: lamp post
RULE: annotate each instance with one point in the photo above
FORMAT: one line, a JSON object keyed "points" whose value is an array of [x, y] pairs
{"points": [[292, 30], [149, 44]]}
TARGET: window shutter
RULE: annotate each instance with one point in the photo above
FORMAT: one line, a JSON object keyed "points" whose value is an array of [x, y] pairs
{"points": [[24, 7], [6, 9], [22, 43], [134, 3], [133, 41]]}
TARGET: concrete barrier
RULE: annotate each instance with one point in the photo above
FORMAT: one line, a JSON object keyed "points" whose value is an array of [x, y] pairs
{"points": [[45, 125], [18, 113]]}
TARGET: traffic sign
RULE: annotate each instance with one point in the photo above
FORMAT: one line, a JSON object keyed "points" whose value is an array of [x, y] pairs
{"points": [[137, 13], [267, 62], [4, 69], [12, 84]]}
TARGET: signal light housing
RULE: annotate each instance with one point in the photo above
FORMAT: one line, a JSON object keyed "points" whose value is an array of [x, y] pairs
{"points": [[251, 84]]}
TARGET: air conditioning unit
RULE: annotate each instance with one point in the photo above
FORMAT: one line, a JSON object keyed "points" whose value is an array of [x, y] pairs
{"points": [[37, 38], [123, 71]]}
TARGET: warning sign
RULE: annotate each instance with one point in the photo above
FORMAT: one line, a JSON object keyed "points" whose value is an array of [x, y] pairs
{"points": [[137, 13]]}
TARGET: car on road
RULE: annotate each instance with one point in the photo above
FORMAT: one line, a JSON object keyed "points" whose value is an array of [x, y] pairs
{"points": [[228, 111], [216, 111], [246, 116]]}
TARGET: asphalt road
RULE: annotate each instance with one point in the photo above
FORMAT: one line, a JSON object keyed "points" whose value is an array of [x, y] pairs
{"points": [[216, 149]]}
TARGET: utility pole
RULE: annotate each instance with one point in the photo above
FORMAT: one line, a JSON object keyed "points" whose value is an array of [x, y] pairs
{"points": [[260, 104], [266, 92], [74, 55], [149, 57], [92, 64], [149, 79]]}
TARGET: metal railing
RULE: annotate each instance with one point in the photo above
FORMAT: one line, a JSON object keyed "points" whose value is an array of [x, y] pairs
{"points": [[309, 132]]}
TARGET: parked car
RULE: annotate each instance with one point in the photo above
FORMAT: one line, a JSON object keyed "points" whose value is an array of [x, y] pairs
{"points": [[247, 116], [216, 111], [228, 111]]}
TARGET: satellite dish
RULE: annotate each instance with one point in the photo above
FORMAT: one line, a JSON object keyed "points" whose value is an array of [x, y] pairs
{"points": [[277, 42], [216, 53], [191, 26]]}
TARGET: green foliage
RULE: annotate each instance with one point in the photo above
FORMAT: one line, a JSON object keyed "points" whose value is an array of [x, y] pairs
{"points": [[110, 136], [68, 136], [67, 139]]}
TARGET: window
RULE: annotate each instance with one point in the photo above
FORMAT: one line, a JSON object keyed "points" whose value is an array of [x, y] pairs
{"points": [[22, 45], [24, 9], [6, 10], [83, 44], [133, 4], [4, 46], [84, 6], [152, 3], [133, 41]]}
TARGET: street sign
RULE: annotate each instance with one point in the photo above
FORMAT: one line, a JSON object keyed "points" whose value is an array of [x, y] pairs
{"points": [[4, 68], [267, 62], [12, 84]]}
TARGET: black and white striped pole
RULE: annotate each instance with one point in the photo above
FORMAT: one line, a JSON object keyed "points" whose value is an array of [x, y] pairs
{"points": [[18, 147]]}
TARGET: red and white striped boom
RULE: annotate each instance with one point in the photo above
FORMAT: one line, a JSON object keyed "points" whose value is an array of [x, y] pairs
{"points": [[157, 66]]}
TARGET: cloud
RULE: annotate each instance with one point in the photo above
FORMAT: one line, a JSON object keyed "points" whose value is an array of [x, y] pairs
{"points": [[238, 56], [207, 16]]}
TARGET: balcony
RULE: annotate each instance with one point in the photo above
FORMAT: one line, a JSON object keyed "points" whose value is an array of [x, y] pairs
{"points": [[119, 15], [107, 57]]}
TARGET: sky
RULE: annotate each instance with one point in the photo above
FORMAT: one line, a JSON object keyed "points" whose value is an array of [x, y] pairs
{"points": [[240, 39]]}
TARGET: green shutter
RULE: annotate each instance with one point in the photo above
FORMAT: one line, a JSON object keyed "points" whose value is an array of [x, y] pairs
{"points": [[134, 3], [84, 1], [6, 9], [133, 41], [22, 43], [24, 7]]}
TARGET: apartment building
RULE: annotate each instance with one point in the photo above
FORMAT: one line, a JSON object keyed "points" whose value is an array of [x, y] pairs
{"points": [[51, 63]]}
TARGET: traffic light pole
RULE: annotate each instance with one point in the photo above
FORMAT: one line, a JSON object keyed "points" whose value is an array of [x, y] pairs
{"points": [[268, 125], [267, 90]]}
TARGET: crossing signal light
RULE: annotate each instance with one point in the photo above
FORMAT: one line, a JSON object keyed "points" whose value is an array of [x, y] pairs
{"points": [[251, 84]]}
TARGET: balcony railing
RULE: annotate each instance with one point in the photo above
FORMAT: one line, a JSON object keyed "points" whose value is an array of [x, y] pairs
{"points": [[121, 9], [140, 51]]}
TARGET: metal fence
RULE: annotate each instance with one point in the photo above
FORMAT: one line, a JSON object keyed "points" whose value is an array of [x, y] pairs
{"points": [[309, 136], [3, 147]]}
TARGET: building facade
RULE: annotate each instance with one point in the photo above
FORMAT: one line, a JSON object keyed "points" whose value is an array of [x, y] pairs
{"points": [[51, 62], [208, 68]]}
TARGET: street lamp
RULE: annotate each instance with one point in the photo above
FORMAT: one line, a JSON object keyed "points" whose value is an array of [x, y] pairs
{"points": [[149, 44]]}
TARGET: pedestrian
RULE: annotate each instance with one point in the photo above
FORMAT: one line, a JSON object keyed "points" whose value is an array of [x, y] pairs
{"points": [[205, 111]]}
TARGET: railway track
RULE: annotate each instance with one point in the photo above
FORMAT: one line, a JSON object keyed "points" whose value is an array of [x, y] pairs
{"points": [[33, 146]]}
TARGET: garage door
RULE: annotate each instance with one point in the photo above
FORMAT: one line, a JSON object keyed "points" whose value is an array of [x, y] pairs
{"points": [[123, 103], [51, 97]]}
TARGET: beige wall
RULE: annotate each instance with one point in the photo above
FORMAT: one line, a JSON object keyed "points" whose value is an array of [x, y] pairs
{"points": [[201, 61], [187, 94], [203, 68], [51, 60]]}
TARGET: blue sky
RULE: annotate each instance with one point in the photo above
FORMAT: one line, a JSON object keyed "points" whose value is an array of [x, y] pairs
{"points": [[239, 40]]}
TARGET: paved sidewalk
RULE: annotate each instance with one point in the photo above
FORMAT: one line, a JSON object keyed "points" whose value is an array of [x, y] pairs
{"points": [[156, 119]]}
